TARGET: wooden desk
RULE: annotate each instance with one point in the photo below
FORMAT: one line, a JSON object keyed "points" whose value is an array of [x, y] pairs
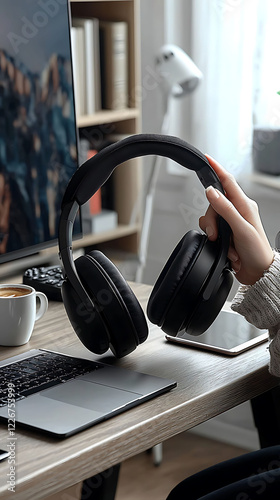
{"points": [[208, 384]]}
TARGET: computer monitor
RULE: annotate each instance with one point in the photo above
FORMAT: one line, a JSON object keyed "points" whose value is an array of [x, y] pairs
{"points": [[38, 137]]}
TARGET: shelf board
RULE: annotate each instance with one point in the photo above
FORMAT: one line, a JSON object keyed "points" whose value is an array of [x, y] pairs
{"points": [[272, 181], [119, 232], [51, 254], [107, 116]]}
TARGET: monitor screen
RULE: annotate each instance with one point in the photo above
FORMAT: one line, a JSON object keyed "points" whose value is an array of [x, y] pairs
{"points": [[38, 137]]}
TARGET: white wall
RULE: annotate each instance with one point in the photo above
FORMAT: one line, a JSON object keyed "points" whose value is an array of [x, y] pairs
{"points": [[172, 205]]}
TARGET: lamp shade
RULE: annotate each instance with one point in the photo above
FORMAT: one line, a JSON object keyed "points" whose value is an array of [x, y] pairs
{"points": [[178, 72]]}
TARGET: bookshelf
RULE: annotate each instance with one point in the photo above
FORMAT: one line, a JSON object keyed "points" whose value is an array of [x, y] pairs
{"points": [[127, 179]]}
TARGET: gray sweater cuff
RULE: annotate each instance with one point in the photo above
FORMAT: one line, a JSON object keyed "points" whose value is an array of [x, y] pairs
{"points": [[260, 303]]}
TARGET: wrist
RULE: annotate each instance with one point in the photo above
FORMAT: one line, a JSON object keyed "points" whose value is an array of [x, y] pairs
{"points": [[255, 275]]}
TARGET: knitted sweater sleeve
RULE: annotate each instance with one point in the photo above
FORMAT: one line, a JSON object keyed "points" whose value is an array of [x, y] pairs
{"points": [[260, 305]]}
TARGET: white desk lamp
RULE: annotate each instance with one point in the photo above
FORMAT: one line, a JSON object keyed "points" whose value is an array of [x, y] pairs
{"points": [[178, 76], [179, 73]]}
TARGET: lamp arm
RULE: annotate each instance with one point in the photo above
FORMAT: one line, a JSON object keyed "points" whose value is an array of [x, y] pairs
{"points": [[149, 199], [179, 76]]}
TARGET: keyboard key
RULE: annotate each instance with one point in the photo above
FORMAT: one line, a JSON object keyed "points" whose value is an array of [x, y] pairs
{"points": [[41, 372]]}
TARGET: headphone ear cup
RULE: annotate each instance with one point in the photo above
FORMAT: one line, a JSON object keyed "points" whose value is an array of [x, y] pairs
{"points": [[115, 303], [207, 310], [85, 321], [177, 301], [163, 308]]}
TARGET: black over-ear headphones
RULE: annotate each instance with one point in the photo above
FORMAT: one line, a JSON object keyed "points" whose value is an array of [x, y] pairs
{"points": [[192, 286]]}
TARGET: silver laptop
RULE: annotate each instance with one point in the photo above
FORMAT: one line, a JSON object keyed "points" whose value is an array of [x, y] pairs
{"points": [[62, 395]]}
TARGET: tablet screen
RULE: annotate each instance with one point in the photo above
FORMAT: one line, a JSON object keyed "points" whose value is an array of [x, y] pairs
{"points": [[229, 333]]}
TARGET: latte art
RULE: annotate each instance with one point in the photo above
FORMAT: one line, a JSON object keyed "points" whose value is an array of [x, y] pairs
{"points": [[13, 291]]}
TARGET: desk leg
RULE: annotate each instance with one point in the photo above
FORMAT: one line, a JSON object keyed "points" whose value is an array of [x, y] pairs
{"points": [[103, 486], [266, 412]]}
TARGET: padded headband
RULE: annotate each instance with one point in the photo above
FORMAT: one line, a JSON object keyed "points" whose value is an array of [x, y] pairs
{"points": [[95, 171]]}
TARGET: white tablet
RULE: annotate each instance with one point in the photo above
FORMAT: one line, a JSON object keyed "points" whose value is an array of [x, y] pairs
{"points": [[230, 334]]}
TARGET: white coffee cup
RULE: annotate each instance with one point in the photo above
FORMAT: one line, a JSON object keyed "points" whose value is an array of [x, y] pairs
{"points": [[18, 313]]}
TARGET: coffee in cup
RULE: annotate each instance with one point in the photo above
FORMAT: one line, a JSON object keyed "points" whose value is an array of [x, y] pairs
{"points": [[13, 291], [18, 313]]}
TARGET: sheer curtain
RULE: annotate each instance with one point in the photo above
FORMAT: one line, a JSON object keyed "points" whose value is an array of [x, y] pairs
{"points": [[267, 102], [236, 45]]}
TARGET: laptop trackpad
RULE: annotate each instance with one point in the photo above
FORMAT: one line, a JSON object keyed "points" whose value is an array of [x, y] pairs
{"points": [[90, 395]]}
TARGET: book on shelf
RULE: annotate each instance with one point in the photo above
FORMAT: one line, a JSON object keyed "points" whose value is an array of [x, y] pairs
{"points": [[94, 205], [106, 220], [89, 146], [98, 212], [128, 207], [114, 64], [79, 65], [91, 54]]}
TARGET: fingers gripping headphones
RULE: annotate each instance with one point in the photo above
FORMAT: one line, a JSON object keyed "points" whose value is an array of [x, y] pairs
{"points": [[192, 286]]}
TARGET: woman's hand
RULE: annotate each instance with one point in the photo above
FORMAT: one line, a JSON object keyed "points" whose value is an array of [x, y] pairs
{"points": [[250, 252]]}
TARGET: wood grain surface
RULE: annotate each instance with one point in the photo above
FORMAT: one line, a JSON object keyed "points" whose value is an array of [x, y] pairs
{"points": [[208, 384]]}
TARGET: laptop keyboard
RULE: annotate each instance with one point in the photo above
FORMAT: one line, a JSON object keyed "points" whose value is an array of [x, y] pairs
{"points": [[39, 372]]}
